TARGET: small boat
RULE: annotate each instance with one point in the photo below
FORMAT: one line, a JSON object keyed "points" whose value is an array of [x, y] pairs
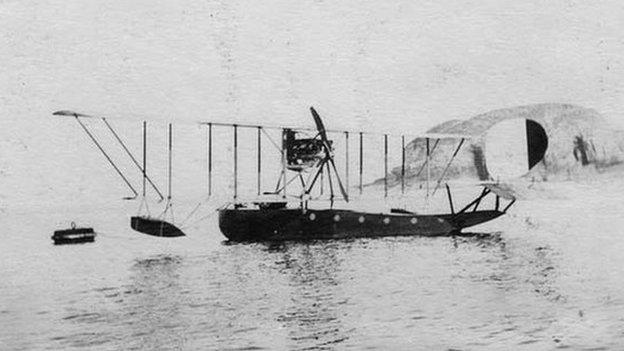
{"points": [[73, 235]]}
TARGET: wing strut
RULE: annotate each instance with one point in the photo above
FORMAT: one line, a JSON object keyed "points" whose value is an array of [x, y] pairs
{"points": [[403, 164], [169, 205], [209, 159], [235, 162], [107, 158], [347, 162], [361, 159], [447, 166], [142, 169], [428, 167], [385, 165], [259, 159], [422, 167], [450, 198]]}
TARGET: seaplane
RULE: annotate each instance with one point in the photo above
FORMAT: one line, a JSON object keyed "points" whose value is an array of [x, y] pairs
{"points": [[293, 209]]}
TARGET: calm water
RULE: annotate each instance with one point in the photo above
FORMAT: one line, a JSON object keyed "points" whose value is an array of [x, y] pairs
{"points": [[549, 275]]}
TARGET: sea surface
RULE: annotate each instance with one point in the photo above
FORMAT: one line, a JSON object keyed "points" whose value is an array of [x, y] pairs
{"points": [[549, 275]]}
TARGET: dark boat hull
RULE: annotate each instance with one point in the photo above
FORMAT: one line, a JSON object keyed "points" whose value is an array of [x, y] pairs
{"points": [[155, 227], [294, 224]]}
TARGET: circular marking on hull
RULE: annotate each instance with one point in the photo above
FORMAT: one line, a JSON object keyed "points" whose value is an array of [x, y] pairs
{"points": [[361, 219], [414, 220], [336, 218], [312, 216], [386, 220]]}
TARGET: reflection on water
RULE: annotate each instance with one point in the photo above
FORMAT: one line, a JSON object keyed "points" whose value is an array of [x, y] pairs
{"points": [[154, 312], [143, 314], [313, 313], [475, 291]]}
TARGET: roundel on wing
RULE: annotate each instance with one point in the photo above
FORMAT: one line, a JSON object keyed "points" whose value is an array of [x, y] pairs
{"points": [[537, 142], [513, 147]]}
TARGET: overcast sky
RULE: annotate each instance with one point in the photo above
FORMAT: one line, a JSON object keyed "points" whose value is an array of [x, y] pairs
{"points": [[364, 64]]}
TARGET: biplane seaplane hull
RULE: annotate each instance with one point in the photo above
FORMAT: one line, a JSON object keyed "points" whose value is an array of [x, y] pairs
{"points": [[309, 160], [295, 224]]}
